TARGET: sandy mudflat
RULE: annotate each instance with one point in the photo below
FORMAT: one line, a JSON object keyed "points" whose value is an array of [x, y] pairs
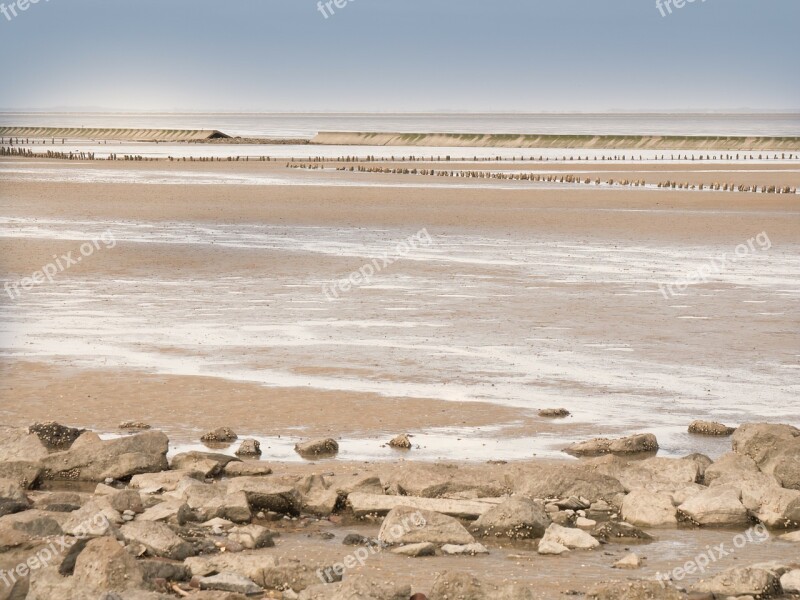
{"points": [[211, 300]]}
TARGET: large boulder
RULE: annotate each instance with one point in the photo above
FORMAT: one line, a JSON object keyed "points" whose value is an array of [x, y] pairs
{"points": [[569, 537], [790, 582], [463, 586], [764, 442], [515, 518], [649, 509], [18, 444], [719, 506], [209, 501], [779, 508], [406, 525], [25, 473], [634, 444], [729, 467], [655, 473], [105, 566], [740, 581], [92, 459], [541, 481], [158, 538], [263, 494], [439, 481]]}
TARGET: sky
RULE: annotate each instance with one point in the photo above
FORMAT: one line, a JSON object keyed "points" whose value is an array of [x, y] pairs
{"points": [[401, 55]]}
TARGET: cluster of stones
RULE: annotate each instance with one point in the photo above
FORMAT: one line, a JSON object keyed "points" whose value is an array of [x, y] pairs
{"points": [[204, 525]]}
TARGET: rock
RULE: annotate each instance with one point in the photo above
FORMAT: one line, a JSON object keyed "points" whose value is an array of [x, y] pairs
{"points": [[778, 507], [740, 581], [12, 497], [619, 531], [437, 481], [96, 460], [702, 461], [790, 537], [60, 501], [263, 568], [401, 442], [563, 481], [105, 566], [634, 590], [26, 474], [464, 549], [207, 463], [172, 510], [357, 588], [657, 474], [515, 518], [635, 444], [648, 509], [263, 494], [569, 537], [629, 561], [236, 507], [93, 519], [710, 428], [554, 413], [718, 506], [249, 447], [356, 539], [416, 550], [317, 448], [551, 548], [220, 435], [463, 586], [247, 468], [127, 500], [19, 445], [730, 465], [584, 523], [790, 582], [229, 582], [35, 523], [134, 425], [158, 538], [369, 504], [252, 537], [166, 481], [405, 525], [156, 568], [55, 436], [771, 447]]}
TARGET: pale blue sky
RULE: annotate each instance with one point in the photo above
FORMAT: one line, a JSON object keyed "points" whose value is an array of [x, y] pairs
{"points": [[406, 55]]}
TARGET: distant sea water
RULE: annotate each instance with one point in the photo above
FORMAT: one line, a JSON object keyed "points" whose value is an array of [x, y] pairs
{"points": [[300, 125]]}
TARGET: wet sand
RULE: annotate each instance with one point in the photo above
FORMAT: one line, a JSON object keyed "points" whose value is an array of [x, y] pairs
{"points": [[210, 308]]}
